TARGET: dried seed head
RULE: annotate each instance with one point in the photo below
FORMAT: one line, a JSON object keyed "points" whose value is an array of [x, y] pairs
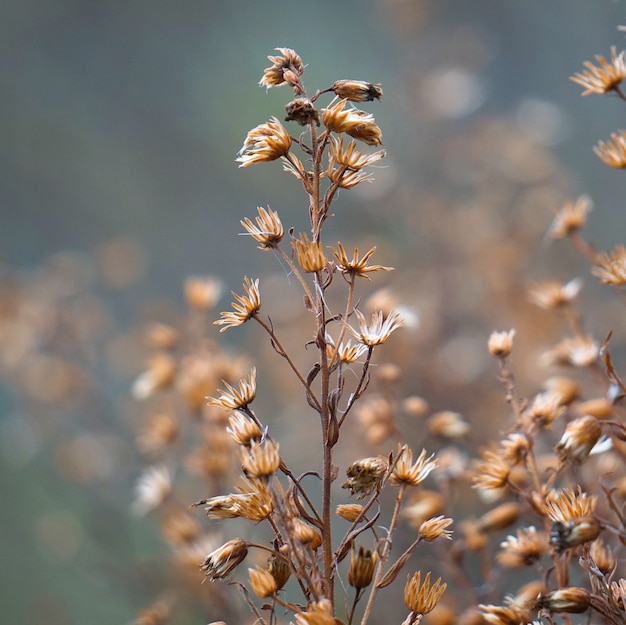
{"points": [[611, 268], [355, 267], [422, 598], [566, 505], [160, 374], [202, 292], [492, 472], [266, 142], [357, 90], [268, 230], [279, 569], [449, 424], [504, 615], [260, 460], [602, 556], [243, 430], [515, 448], [569, 600], [349, 511], [613, 151], [423, 505], [152, 489], [523, 549], [365, 475], [310, 254], [409, 473], [604, 77], [306, 534], [578, 351], [235, 398], [285, 69], [358, 124], [262, 582], [319, 613], [435, 527], [302, 111], [245, 306], [362, 565], [255, 502], [551, 295], [499, 518], [220, 563], [579, 439], [545, 408], [380, 329], [347, 352], [571, 217], [577, 531], [500, 344]]}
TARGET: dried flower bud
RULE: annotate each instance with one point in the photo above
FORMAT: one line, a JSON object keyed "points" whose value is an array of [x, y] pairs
{"points": [[243, 430], [349, 511], [611, 268], [435, 527], [260, 460], [602, 555], [500, 344], [422, 598], [423, 505], [357, 90], [358, 124], [565, 535], [600, 408], [310, 254], [613, 152], [266, 142], [523, 549], [578, 440], [448, 423], [362, 565], [268, 230], [202, 293], [415, 406], [262, 582], [279, 570], [220, 563], [160, 374], [284, 70], [409, 473], [319, 613], [568, 600], [306, 534], [571, 217], [499, 518], [301, 110], [365, 475]]}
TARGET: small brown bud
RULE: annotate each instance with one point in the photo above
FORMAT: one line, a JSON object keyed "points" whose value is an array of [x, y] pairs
{"points": [[357, 90], [279, 569], [349, 511], [365, 475], [301, 110], [499, 518], [600, 407], [362, 565], [569, 600], [500, 344], [434, 528], [220, 563], [262, 582], [575, 532], [578, 440], [306, 534]]}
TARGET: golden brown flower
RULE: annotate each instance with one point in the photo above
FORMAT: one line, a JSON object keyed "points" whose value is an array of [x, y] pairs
{"points": [[515, 448], [233, 398], [266, 142], [358, 124], [365, 475], [310, 254], [435, 527], [602, 555], [566, 505], [262, 582], [576, 531], [305, 533], [254, 502], [379, 330], [245, 306], [421, 598], [613, 151], [350, 157], [268, 230], [551, 294], [409, 473], [362, 565], [243, 430], [260, 460], [285, 69], [611, 268], [152, 489], [357, 90], [579, 439], [500, 344], [220, 563], [319, 613], [347, 352], [604, 77], [523, 549], [355, 267], [545, 408], [572, 216]]}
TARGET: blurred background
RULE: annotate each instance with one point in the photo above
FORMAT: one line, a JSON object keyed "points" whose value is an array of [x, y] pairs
{"points": [[120, 125]]}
